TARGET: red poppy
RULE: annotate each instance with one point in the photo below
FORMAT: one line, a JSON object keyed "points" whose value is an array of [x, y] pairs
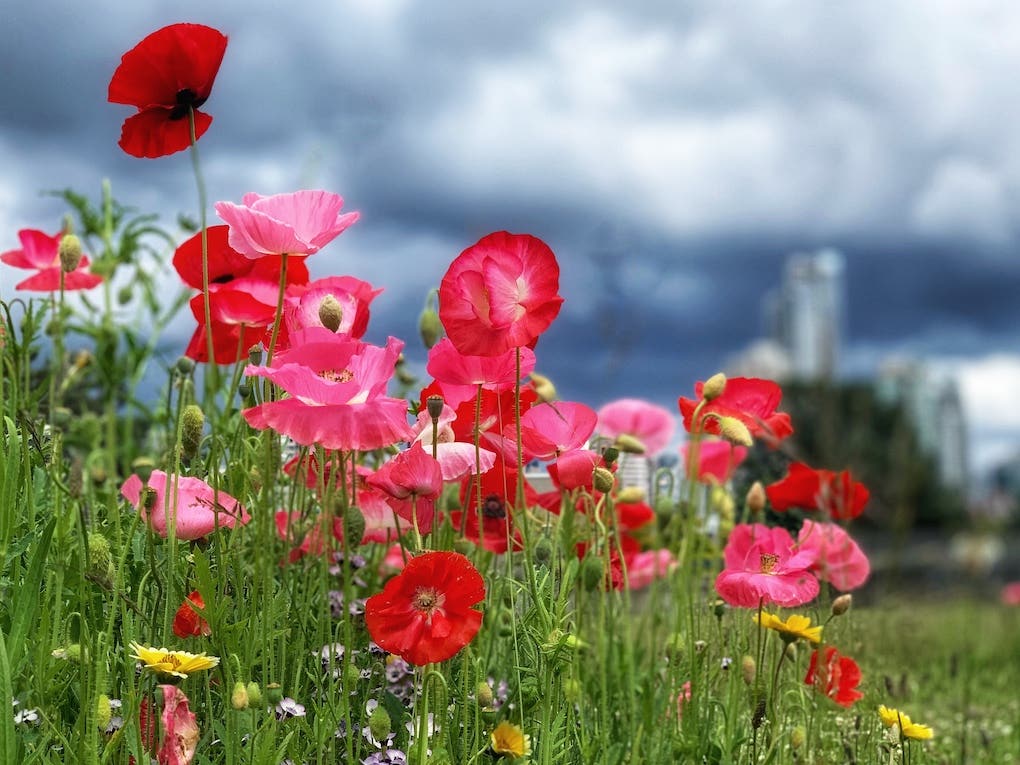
{"points": [[836, 676], [166, 74], [41, 251], [499, 490], [500, 293], [425, 614], [497, 411], [187, 622], [751, 400], [837, 494]]}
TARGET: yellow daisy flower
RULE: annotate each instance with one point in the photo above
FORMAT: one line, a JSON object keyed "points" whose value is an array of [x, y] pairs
{"points": [[908, 728], [794, 628], [508, 739], [176, 663]]}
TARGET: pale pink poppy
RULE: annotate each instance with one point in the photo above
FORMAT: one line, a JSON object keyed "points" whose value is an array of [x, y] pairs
{"points": [[763, 566], [548, 430], [458, 459], [180, 729], [716, 460], [199, 509], [652, 425], [337, 393], [838, 559], [645, 567], [411, 481], [301, 306], [298, 223]]}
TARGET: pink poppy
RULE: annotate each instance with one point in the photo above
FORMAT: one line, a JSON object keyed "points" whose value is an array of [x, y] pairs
{"points": [[200, 510], [499, 294], [461, 375], [573, 469], [751, 400], [652, 425], [645, 567], [337, 393], [305, 538], [497, 410], [301, 308], [180, 729], [299, 223], [762, 566], [42, 252], [838, 559], [412, 481], [548, 430], [836, 494], [716, 460], [1010, 595]]}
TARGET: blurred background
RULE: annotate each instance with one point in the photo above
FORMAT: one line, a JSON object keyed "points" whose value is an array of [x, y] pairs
{"points": [[824, 194]]}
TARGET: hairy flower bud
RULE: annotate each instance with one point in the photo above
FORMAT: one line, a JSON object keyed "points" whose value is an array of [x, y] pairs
{"points": [[185, 366], [100, 569], [429, 327], [714, 386], [104, 712], [544, 388], [70, 253], [254, 694], [543, 551], [354, 525], [629, 444], [748, 669], [484, 694], [756, 497], [239, 697], [734, 431], [331, 313], [603, 479], [842, 604], [631, 494], [379, 723], [593, 571], [192, 425]]}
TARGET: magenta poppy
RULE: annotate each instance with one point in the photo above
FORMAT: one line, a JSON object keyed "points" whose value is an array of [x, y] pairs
{"points": [[411, 482], [751, 400], [500, 293], [180, 728], [837, 495], [548, 430], [199, 510], [298, 223], [353, 296], [167, 74], [461, 375], [838, 559], [763, 566], [643, 568], [41, 251], [652, 425]]}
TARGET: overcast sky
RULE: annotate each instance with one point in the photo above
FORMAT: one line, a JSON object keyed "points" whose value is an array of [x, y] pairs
{"points": [[671, 154]]}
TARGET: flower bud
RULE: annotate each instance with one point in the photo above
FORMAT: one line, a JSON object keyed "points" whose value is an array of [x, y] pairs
{"points": [[544, 388], [274, 694], [797, 737], [631, 494], [842, 604], [434, 406], [239, 697], [379, 723], [100, 569], [714, 386], [185, 366], [543, 551], [791, 651], [464, 546], [629, 444], [748, 669], [354, 525], [104, 712], [572, 690], [593, 571], [192, 425], [429, 327], [484, 695], [603, 479], [756, 497], [254, 694], [69, 252], [734, 431], [124, 294], [331, 313]]}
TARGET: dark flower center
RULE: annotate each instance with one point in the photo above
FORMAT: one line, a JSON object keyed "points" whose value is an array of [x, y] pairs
{"points": [[493, 507], [428, 599], [186, 99]]}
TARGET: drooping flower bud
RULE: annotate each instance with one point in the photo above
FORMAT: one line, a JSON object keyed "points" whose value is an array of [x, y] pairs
{"points": [[748, 669], [185, 366], [331, 313], [104, 712], [100, 568], [602, 479], [429, 326], [484, 695], [239, 697], [629, 444], [543, 551], [631, 494], [192, 425], [254, 694], [593, 571], [797, 737], [69, 252], [842, 604], [734, 431], [714, 386], [544, 388], [354, 525]]}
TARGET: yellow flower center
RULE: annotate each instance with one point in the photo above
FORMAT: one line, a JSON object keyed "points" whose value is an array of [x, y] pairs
{"points": [[768, 562]]}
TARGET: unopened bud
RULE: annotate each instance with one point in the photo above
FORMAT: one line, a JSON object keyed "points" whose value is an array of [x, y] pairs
{"points": [[734, 431], [185, 366], [429, 327], [239, 697], [464, 546], [713, 387], [756, 497], [331, 313], [791, 651], [543, 551], [124, 294], [100, 568], [274, 694], [631, 494], [434, 406], [192, 425], [544, 388], [797, 737], [629, 444], [69, 252], [602, 479], [98, 474], [592, 571], [379, 723], [842, 604], [254, 694], [484, 695], [572, 690], [104, 712], [354, 525], [748, 669]]}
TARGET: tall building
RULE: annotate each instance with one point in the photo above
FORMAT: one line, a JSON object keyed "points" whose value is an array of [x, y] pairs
{"points": [[806, 315]]}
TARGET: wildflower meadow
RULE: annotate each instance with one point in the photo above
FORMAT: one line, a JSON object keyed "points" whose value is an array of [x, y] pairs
{"points": [[295, 548]]}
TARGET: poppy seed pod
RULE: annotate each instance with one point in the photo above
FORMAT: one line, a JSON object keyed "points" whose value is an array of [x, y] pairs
{"points": [[331, 313], [714, 387], [434, 406], [69, 252]]}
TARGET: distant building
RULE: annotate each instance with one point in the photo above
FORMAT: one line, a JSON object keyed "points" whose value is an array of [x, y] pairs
{"points": [[933, 402], [762, 358], [806, 316]]}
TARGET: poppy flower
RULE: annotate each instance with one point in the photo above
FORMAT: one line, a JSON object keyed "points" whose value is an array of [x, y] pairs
{"points": [[652, 425], [834, 675], [838, 559], [200, 510], [302, 305], [717, 460], [41, 251], [762, 566], [461, 375], [180, 728], [336, 390], [645, 567], [187, 622], [836, 494], [1010, 595], [500, 293], [457, 459], [574, 469], [167, 74], [298, 223], [424, 614], [498, 497], [548, 430], [749, 399], [411, 481]]}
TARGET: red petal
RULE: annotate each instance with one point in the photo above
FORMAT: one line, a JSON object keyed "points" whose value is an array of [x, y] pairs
{"points": [[151, 133]]}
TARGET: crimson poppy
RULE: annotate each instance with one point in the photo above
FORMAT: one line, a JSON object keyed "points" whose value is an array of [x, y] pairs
{"points": [[168, 74], [836, 676], [41, 251], [836, 494], [425, 614], [500, 293], [749, 399], [187, 622]]}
